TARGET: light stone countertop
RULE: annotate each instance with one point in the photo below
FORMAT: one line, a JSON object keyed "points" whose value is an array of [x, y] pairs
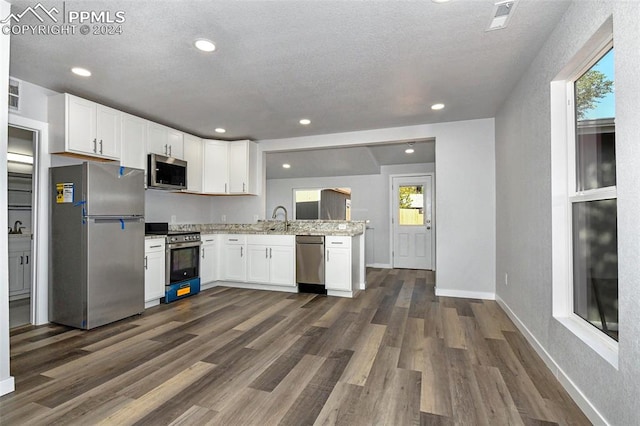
{"points": [[153, 237], [19, 236], [276, 227]]}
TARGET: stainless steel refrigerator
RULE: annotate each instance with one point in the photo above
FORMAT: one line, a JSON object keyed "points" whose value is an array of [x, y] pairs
{"points": [[96, 244]]}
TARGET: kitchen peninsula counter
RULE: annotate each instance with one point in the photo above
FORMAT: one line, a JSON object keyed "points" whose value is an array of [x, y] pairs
{"points": [[275, 227], [262, 255]]}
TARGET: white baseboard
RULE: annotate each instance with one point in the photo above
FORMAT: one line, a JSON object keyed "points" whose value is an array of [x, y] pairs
{"points": [[255, 286], [7, 385], [585, 405], [465, 294], [151, 303], [380, 265]]}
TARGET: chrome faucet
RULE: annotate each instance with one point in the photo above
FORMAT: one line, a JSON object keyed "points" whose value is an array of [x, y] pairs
{"points": [[16, 229], [286, 217]]}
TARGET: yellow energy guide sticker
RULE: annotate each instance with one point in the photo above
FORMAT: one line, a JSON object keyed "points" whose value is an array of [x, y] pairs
{"points": [[64, 193], [183, 291]]}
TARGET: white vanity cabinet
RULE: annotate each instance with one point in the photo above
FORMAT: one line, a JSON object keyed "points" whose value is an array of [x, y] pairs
{"points": [[342, 272], [154, 270], [234, 257], [164, 141], [271, 259], [82, 127], [19, 265], [193, 156], [209, 254], [133, 143], [243, 161]]}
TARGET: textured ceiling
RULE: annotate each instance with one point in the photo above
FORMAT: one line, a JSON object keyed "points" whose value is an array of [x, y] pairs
{"points": [[346, 65], [358, 160]]}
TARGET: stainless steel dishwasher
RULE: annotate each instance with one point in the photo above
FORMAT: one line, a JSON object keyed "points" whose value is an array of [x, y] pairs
{"points": [[310, 264]]}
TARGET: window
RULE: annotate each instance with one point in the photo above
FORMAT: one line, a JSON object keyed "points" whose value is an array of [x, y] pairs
{"points": [[411, 205], [584, 211], [14, 94], [593, 200]]}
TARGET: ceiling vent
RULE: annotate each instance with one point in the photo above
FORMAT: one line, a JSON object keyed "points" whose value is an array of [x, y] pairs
{"points": [[14, 94], [502, 12]]}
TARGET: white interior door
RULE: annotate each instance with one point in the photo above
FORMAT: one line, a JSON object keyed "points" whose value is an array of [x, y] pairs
{"points": [[412, 222]]}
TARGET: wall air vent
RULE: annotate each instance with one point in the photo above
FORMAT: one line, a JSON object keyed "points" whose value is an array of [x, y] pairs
{"points": [[502, 12], [14, 94]]}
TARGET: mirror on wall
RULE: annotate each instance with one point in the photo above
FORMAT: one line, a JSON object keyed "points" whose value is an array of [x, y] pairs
{"points": [[322, 204]]}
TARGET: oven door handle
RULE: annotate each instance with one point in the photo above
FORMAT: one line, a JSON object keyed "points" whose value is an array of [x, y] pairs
{"points": [[171, 246]]}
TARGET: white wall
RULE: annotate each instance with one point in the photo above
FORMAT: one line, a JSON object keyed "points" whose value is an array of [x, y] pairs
{"points": [[465, 196], [163, 206], [524, 240], [33, 101], [369, 201], [6, 381]]}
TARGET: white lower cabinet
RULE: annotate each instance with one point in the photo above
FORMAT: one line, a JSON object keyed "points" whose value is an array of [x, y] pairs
{"points": [[234, 257], [154, 269], [338, 264], [19, 268], [209, 264], [271, 259]]}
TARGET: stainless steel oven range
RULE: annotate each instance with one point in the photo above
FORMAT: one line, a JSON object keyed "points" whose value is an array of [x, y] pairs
{"points": [[182, 262]]}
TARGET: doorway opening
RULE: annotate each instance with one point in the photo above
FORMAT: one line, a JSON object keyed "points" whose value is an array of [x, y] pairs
{"points": [[413, 221], [21, 154]]}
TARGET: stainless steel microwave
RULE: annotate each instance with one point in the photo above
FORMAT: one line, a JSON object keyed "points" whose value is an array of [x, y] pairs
{"points": [[166, 172]]}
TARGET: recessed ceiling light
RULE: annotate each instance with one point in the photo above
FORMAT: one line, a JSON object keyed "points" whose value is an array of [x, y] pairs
{"points": [[204, 45], [220, 130], [437, 107], [286, 166], [440, 1], [410, 150], [83, 72], [305, 121]]}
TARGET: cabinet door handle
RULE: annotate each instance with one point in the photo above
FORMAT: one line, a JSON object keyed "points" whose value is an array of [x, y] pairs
{"points": [[158, 246], [327, 255], [266, 253], [225, 187], [95, 145], [146, 265], [241, 251], [243, 186], [270, 253], [169, 150], [27, 262], [203, 253], [100, 146], [22, 260], [166, 152]]}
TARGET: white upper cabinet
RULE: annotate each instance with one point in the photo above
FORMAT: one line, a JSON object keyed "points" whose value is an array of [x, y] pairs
{"points": [[243, 156], [215, 167], [193, 156], [164, 141], [79, 126], [133, 151]]}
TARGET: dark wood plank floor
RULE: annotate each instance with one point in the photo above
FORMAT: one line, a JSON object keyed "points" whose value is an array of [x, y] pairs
{"points": [[395, 355]]}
